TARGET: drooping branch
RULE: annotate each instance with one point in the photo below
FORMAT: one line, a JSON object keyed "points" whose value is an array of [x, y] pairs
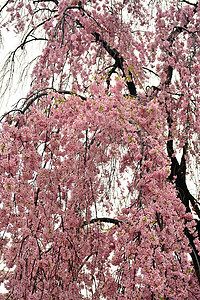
{"points": [[151, 71], [103, 220], [9, 65], [112, 71], [35, 97], [119, 61], [30, 100], [4, 5], [171, 38], [175, 32], [187, 2], [178, 175], [194, 254], [178, 170]]}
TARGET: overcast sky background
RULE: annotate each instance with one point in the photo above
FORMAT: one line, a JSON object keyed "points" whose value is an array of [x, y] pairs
{"points": [[18, 88], [8, 43]]}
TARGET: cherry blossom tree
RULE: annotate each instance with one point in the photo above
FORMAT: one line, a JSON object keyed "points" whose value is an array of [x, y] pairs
{"points": [[98, 163]]}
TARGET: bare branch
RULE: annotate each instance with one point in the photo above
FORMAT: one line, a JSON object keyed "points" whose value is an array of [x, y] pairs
{"points": [[40, 94], [187, 2], [103, 220], [4, 6]]}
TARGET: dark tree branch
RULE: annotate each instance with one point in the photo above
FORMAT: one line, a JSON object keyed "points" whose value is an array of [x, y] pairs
{"points": [[178, 171], [4, 6], [171, 38], [151, 71], [169, 75], [28, 41], [194, 254], [113, 70], [15, 110], [35, 97], [176, 31], [178, 175], [187, 2], [118, 62], [9, 65], [102, 220], [30, 100]]}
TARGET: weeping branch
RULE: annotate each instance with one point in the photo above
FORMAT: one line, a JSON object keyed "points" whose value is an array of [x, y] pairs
{"points": [[119, 61], [102, 220], [4, 5], [178, 170], [30, 100]]}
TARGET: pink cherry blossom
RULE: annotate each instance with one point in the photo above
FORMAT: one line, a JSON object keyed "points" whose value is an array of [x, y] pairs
{"points": [[96, 200]]}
